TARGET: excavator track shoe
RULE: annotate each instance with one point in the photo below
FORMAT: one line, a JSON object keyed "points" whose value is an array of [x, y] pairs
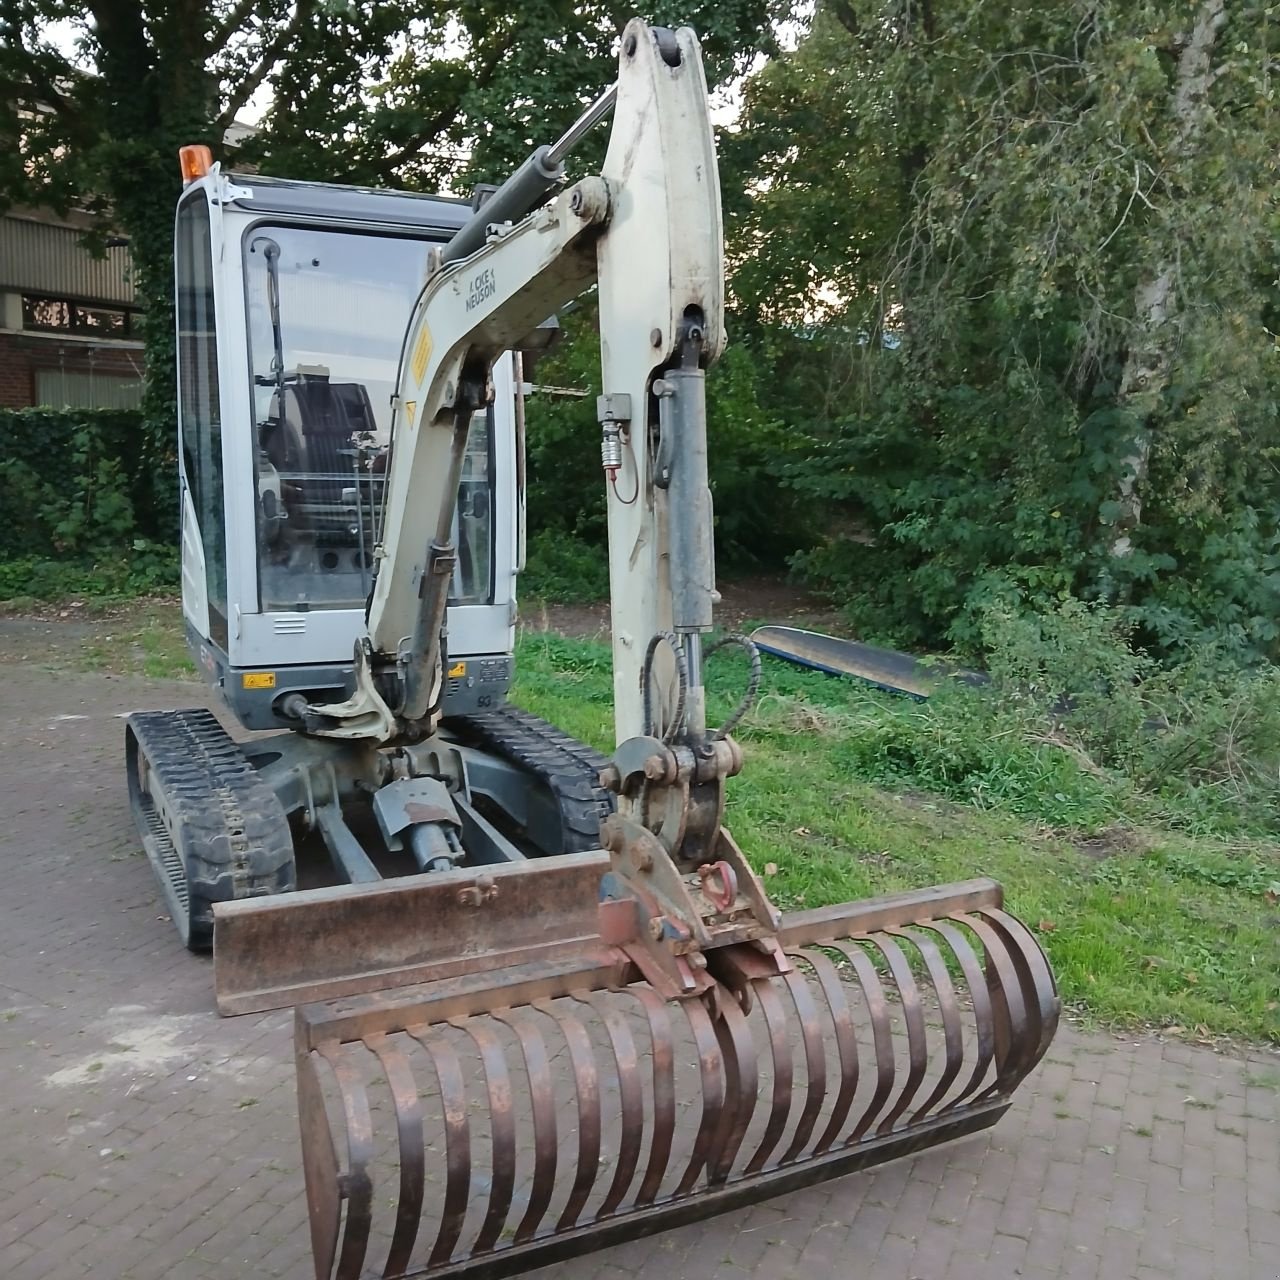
{"points": [[213, 830], [567, 768], [489, 1123]]}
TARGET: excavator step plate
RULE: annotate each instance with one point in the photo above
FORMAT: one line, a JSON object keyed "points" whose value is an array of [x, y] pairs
{"points": [[523, 1113]]}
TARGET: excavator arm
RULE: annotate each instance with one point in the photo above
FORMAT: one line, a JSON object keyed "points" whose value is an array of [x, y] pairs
{"points": [[647, 230]]}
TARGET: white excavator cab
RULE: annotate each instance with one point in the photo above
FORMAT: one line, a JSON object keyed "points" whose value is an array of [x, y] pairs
{"points": [[293, 300]]}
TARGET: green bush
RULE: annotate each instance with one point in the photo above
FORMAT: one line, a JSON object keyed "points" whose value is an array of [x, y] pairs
{"points": [[1199, 738], [958, 746], [144, 569], [1077, 728], [759, 522], [564, 569], [89, 503]]}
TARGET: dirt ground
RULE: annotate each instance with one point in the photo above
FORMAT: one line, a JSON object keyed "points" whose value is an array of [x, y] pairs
{"points": [[744, 603]]}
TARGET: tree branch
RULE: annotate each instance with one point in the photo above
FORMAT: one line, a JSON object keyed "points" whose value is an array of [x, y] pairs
{"points": [[270, 56], [442, 118], [43, 69], [1157, 325], [842, 12], [234, 21]]}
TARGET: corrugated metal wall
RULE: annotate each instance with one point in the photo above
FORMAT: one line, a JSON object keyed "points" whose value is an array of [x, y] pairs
{"points": [[37, 257]]}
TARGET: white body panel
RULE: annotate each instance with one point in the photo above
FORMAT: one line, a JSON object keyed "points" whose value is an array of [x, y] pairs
{"points": [[195, 595]]}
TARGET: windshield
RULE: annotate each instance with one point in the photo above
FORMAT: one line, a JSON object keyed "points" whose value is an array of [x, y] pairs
{"points": [[327, 312]]}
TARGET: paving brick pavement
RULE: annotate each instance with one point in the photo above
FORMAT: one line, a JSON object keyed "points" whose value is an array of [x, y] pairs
{"points": [[143, 1137]]}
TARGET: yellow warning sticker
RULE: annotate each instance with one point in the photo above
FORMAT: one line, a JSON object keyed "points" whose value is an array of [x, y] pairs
{"points": [[421, 354], [410, 410], [458, 669], [259, 679]]}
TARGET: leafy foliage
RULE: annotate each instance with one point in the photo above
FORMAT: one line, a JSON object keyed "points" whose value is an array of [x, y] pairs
{"points": [[758, 521], [1034, 249], [1003, 277], [1197, 741], [380, 93], [87, 510]]}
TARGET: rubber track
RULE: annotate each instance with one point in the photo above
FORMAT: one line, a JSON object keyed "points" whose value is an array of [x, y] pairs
{"points": [[569, 768], [227, 825]]}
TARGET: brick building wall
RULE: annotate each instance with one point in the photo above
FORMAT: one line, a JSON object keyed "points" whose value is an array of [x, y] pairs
{"points": [[66, 316], [67, 363]]}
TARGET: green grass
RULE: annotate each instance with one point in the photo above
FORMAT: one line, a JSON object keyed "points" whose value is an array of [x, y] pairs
{"points": [[848, 793], [154, 651], [1166, 928]]}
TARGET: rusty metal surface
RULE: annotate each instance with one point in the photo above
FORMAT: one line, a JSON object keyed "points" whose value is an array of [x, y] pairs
{"points": [[550, 1107], [273, 952]]}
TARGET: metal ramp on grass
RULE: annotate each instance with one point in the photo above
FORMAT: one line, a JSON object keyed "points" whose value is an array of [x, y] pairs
{"points": [[885, 669]]}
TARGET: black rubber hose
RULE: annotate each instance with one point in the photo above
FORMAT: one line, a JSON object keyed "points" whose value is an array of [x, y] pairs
{"points": [[646, 685], [748, 699]]}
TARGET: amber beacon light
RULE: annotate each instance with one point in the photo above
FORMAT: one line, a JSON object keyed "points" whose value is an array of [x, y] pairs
{"points": [[195, 161]]}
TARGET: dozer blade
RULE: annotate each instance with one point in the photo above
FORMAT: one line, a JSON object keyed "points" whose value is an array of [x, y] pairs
{"points": [[318, 944], [534, 1110]]}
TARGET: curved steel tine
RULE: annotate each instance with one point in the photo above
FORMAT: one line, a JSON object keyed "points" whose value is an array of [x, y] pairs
{"points": [[783, 1071], [357, 1183], [664, 1093], [1028, 1049], [882, 1033], [846, 1043], [457, 1129], [913, 1016], [815, 1062], [320, 1166], [984, 1019], [413, 1162], [714, 1071], [953, 1037], [1041, 975], [502, 1130], [742, 1082], [1009, 1062], [631, 1097], [543, 1105], [586, 1081]]}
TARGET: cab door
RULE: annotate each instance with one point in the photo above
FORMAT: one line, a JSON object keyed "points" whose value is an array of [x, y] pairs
{"points": [[204, 533]]}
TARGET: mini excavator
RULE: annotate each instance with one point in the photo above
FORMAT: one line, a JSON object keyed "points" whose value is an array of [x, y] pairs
{"points": [[551, 1005]]}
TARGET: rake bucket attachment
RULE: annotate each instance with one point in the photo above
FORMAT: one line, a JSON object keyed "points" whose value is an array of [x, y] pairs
{"points": [[525, 1113]]}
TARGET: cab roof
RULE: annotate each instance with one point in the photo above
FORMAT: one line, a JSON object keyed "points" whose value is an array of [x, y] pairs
{"points": [[324, 200]]}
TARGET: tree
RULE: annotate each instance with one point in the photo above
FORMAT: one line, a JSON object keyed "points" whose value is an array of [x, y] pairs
{"points": [[360, 91], [1043, 249]]}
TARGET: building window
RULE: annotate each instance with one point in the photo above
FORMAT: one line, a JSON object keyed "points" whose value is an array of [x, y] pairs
{"points": [[87, 389], [58, 315]]}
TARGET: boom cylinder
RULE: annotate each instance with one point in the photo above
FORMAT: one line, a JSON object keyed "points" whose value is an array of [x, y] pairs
{"points": [[682, 416], [682, 472], [523, 192]]}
